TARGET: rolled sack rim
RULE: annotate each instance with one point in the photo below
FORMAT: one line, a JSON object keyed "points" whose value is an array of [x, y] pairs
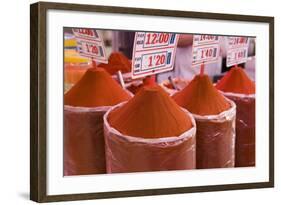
{"points": [[226, 115], [86, 109], [238, 94], [184, 136]]}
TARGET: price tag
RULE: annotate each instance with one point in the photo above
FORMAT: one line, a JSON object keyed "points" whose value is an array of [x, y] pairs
{"points": [[205, 49], [90, 44], [153, 53], [237, 50]]}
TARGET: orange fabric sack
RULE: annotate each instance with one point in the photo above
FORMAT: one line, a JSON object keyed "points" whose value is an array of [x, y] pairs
{"points": [[85, 104], [238, 87], [215, 139], [149, 133], [215, 122], [83, 140]]}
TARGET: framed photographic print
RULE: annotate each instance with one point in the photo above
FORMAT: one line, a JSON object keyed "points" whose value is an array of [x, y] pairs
{"points": [[133, 102]]}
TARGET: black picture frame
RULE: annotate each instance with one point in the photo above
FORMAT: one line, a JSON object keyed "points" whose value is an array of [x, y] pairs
{"points": [[38, 103]]}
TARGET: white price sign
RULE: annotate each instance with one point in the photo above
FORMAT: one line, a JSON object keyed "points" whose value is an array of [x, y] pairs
{"points": [[205, 49], [237, 50], [153, 53], [90, 44]]}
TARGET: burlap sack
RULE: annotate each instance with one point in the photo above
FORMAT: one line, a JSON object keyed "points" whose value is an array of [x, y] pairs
{"points": [[245, 129], [215, 139], [134, 154], [83, 140]]}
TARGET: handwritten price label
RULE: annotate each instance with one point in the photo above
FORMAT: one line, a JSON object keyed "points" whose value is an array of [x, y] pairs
{"points": [[85, 33], [152, 40], [153, 53], [205, 49], [199, 40], [237, 50], [237, 42], [90, 49], [150, 62], [90, 44]]}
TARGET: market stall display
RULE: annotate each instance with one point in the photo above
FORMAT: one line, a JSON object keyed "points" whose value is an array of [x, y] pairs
{"points": [[149, 133], [84, 106], [215, 122], [237, 86], [69, 41], [136, 85], [74, 67], [173, 85], [117, 62]]}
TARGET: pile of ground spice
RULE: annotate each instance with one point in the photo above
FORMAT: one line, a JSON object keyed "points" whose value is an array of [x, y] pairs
{"points": [[151, 113], [201, 97], [117, 61], [96, 88], [214, 140], [236, 81], [147, 81]]}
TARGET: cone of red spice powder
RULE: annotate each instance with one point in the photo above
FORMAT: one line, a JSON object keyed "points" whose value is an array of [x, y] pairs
{"points": [[95, 89], [236, 81], [237, 86], [215, 121], [117, 61], [84, 106], [150, 132]]}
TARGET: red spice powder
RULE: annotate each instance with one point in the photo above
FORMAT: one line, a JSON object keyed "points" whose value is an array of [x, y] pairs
{"points": [[148, 81], [236, 81], [214, 140], [96, 88], [150, 114], [201, 97], [117, 61]]}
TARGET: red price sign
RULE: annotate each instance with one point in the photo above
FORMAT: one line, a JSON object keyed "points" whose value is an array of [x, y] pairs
{"points": [[199, 40], [205, 49], [85, 33], [206, 53], [155, 60], [237, 42], [90, 44], [153, 53], [237, 50], [90, 49], [156, 39]]}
